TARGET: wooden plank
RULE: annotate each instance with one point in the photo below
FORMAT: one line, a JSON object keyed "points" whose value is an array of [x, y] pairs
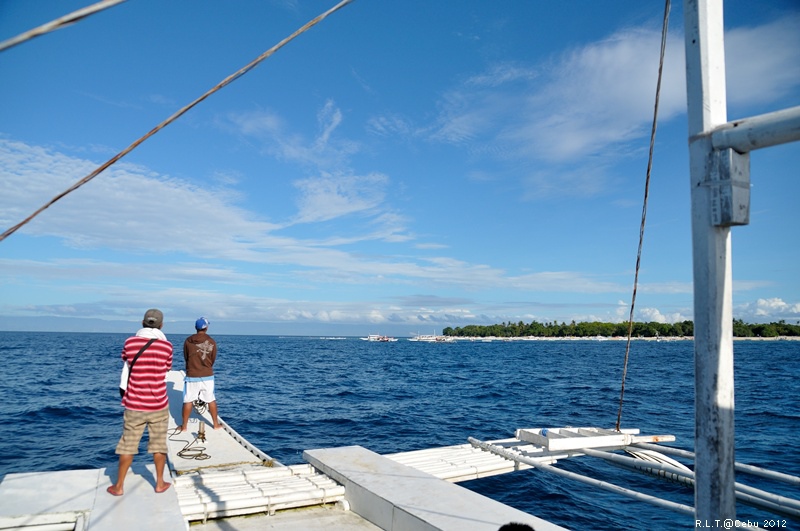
{"points": [[566, 439], [556, 440]]}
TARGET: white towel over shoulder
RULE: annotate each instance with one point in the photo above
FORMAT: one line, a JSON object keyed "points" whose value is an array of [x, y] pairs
{"points": [[151, 333]]}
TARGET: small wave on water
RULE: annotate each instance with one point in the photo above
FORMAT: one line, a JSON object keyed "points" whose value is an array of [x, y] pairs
{"points": [[287, 395]]}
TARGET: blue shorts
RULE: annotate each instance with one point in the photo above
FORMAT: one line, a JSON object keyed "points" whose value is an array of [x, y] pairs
{"points": [[199, 389]]}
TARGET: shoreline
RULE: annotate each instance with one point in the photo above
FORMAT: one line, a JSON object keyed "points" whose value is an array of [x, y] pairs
{"points": [[612, 338]]}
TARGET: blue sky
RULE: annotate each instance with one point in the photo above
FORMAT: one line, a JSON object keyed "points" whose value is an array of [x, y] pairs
{"points": [[399, 168]]}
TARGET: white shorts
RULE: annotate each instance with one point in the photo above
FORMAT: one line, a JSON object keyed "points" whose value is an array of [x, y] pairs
{"points": [[199, 389]]}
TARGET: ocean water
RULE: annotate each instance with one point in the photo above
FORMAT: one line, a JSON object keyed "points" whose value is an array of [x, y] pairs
{"points": [[59, 407]]}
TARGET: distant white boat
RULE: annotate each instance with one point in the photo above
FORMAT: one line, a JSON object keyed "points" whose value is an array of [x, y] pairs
{"points": [[432, 339], [379, 338]]}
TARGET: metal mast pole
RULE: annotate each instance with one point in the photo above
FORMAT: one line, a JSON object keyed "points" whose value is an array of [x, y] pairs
{"points": [[715, 496]]}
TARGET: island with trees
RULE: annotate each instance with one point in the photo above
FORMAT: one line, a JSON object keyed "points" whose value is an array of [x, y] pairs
{"points": [[683, 329]]}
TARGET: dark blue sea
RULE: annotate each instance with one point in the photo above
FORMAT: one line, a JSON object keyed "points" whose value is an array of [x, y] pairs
{"points": [[59, 407]]}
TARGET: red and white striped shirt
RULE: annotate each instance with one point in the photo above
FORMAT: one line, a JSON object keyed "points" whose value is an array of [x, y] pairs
{"points": [[147, 387]]}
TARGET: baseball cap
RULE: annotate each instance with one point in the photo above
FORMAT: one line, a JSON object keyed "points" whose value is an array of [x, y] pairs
{"points": [[153, 318], [201, 324]]}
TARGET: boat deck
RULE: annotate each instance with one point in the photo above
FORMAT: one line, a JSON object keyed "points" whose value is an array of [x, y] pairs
{"points": [[220, 481], [77, 499], [217, 449]]}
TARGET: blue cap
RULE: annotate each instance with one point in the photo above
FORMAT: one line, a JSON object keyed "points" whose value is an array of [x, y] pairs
{"points": [[201, 324]]}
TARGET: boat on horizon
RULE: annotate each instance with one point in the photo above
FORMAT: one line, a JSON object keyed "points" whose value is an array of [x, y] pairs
{"points": [[431, 338], [379, 338]]}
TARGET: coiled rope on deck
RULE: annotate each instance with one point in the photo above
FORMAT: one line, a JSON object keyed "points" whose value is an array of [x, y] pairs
{"points": [[664, 27], [228, 80], [189, 450]]}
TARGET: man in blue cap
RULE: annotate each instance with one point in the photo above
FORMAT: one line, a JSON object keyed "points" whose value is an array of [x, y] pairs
{"points": [[199, 353]]}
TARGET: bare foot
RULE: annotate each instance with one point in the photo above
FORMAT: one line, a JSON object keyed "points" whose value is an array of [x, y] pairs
{"points": [[113, 491], [181, 429], [218, 427], [162, 488]]}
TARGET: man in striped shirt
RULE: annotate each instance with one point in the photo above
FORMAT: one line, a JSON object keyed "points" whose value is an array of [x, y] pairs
{"points": [[145, 400]]}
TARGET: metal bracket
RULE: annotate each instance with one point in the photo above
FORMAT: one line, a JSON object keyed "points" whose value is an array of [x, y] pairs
{"points": [[730, 188]]}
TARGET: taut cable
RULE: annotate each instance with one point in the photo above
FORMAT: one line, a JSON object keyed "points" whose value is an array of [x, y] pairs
{"points": [[58, 23], [174, 117], [644, 208]]}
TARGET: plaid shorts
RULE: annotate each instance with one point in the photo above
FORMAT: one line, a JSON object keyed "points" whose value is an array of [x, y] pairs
{"points": [[134, 423]]}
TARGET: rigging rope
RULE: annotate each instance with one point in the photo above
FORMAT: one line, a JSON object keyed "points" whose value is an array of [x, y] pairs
{"points": [[664, 27], [231, 78], [61, 22]]}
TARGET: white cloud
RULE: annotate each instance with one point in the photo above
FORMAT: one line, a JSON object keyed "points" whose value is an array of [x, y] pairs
{"points": [[134, 211], [82, 270], [390, 125], [130, 208], [326, 152], [655, 315], [464, 116], [597, 98], [127, 207], [328, 196], [768, 310], [329, 119], [257, 123], [763, 63], [599, 95], [501, 74]]}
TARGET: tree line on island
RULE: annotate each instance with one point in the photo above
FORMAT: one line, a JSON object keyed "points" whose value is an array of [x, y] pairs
{"points": [[594, 329]]}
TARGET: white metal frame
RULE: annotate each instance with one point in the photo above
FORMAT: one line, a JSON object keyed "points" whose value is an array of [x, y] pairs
{"points": [[720, 198]]}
